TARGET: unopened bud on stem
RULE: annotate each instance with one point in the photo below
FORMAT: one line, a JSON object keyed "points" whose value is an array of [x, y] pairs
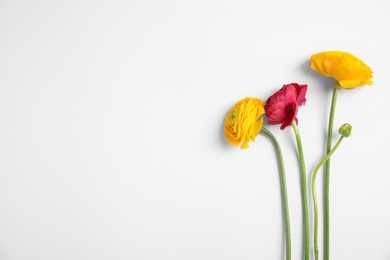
{"points": [[345, 130]]}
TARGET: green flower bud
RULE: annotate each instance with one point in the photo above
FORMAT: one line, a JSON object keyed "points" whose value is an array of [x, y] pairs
{"points": [[345, 130]]}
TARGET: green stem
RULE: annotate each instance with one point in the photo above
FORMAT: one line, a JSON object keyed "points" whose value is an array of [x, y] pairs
{"points": [[313, 191], [327, 175], [306, 235], [283, 186]]}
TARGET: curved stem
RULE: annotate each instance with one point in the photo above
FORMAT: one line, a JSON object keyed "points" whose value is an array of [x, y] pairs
{"points": [[306, 235], [327, 175], [314, 195], [283, 186]]}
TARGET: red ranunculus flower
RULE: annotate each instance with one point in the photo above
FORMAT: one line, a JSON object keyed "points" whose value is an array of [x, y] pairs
{"points": [[282, 107]]}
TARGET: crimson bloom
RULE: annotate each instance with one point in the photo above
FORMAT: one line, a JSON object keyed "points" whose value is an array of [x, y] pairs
{"points": [[282, 107]]}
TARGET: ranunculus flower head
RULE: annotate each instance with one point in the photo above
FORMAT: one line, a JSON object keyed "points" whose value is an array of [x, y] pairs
{"points": [[345, 68], [282, 107], [244, 121]]}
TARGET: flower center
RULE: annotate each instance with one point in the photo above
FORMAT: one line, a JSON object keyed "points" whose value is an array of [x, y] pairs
{"points": [[290, 109], [232, 118]]}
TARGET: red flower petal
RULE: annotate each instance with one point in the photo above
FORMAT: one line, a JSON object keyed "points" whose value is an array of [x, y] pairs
{"points": [[301, 100], [291, 112]]}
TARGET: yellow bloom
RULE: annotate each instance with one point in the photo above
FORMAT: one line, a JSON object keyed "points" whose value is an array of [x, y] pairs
{"points": [[345, 68], [244, 121]]}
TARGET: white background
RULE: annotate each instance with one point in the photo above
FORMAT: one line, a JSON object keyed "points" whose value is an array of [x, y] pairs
{"points": [[111, 128]]}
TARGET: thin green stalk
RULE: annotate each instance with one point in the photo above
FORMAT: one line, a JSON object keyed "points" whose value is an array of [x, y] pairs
{"points": [[314, 195], [327, 175], [306, 234], [283, 186]]}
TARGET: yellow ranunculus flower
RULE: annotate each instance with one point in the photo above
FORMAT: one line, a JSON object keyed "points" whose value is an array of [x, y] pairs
{"points": [[345, 68], [244, 121]]}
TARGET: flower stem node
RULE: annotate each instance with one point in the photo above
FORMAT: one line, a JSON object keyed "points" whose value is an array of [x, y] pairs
{"points": [[345, 130]]}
